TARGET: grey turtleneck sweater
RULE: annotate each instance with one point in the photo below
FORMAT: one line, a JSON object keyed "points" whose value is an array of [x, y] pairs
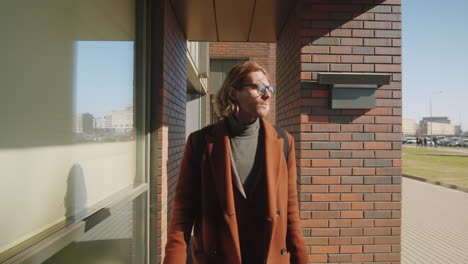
{"points": [[244, 145]]}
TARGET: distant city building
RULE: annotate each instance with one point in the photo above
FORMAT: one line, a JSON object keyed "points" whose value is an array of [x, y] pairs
{"points": [[108, 121], [104, 122], [437, 126], [122, 120], [458, 131], [117, 122], [437, 119], [100, 123], [409, 127], [84, 123]]}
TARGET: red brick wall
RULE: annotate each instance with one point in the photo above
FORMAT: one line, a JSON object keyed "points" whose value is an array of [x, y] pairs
{"points": [[288, 70], [262, 53], [168, 101], [349, 161]]}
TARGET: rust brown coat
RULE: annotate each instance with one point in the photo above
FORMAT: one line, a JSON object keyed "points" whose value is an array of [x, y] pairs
{"points": [[207, 204]]}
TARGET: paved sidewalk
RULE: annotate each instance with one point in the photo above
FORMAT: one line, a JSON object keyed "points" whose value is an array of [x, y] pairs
{"points": [[434, 224], [440, 148]]}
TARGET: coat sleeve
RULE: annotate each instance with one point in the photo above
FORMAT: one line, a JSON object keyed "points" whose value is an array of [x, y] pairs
{"points": [[295, 238], [183, 208]]}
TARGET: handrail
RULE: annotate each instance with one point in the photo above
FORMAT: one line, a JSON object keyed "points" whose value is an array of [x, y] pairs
{"points": [[52, 244], [49, 246]]}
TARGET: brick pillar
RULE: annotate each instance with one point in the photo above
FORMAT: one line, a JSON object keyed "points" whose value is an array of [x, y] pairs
{"points": [[167, 118], [349, 161]]}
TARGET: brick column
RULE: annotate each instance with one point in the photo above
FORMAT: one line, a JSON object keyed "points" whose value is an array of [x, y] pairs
{"points": [[349, 161], [167, 118]]}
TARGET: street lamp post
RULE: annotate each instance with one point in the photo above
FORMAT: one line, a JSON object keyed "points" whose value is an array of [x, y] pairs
{"points": [[430, 107]]}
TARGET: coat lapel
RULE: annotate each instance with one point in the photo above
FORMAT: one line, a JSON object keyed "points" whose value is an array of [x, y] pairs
{"points": [[220, 161], [273, 152]]}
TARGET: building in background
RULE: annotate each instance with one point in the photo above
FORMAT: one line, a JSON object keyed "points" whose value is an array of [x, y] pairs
{"points": [[458, 130], [409, 127], [84, 123], [99, 123], [437, 119], [437, 126], [122, 120], [108, 121]]}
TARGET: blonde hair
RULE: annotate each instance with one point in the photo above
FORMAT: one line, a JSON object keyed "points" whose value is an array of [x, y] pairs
{"points": [[223, 105]]}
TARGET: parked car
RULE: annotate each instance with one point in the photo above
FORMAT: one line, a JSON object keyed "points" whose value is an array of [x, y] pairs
{"points": [[443, 142], [464, 143], [455, 143], [430, 142]]}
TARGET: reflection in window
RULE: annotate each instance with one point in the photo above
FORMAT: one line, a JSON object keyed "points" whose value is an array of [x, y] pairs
{"points": [[114, 240], [103, 91], [68, 71]]}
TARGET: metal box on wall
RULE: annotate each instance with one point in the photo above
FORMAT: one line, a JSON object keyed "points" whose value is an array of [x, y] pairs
{"points": [[353, 90]]}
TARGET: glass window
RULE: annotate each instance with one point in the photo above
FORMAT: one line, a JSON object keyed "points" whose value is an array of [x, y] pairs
{"points": [[103, 87], [67, 113]]}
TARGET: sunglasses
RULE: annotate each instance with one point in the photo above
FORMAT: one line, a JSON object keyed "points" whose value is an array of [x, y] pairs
{"points": [[261, 88]]}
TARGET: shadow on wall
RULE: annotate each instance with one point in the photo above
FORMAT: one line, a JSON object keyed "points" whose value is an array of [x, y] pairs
{"points": [[76, 196], [324, 25], [318, 19], [61, 65]]}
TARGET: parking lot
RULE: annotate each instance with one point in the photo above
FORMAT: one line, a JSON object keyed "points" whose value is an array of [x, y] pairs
{"points": [[437, 140]]}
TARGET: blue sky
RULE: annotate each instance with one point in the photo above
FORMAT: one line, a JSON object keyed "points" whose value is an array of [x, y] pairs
{"points": [[103, 76], [435, 59]]}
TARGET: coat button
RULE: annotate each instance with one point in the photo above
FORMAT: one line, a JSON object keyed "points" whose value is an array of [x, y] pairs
{"points": [[278, 213], [283, 251], [213, 252]]}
